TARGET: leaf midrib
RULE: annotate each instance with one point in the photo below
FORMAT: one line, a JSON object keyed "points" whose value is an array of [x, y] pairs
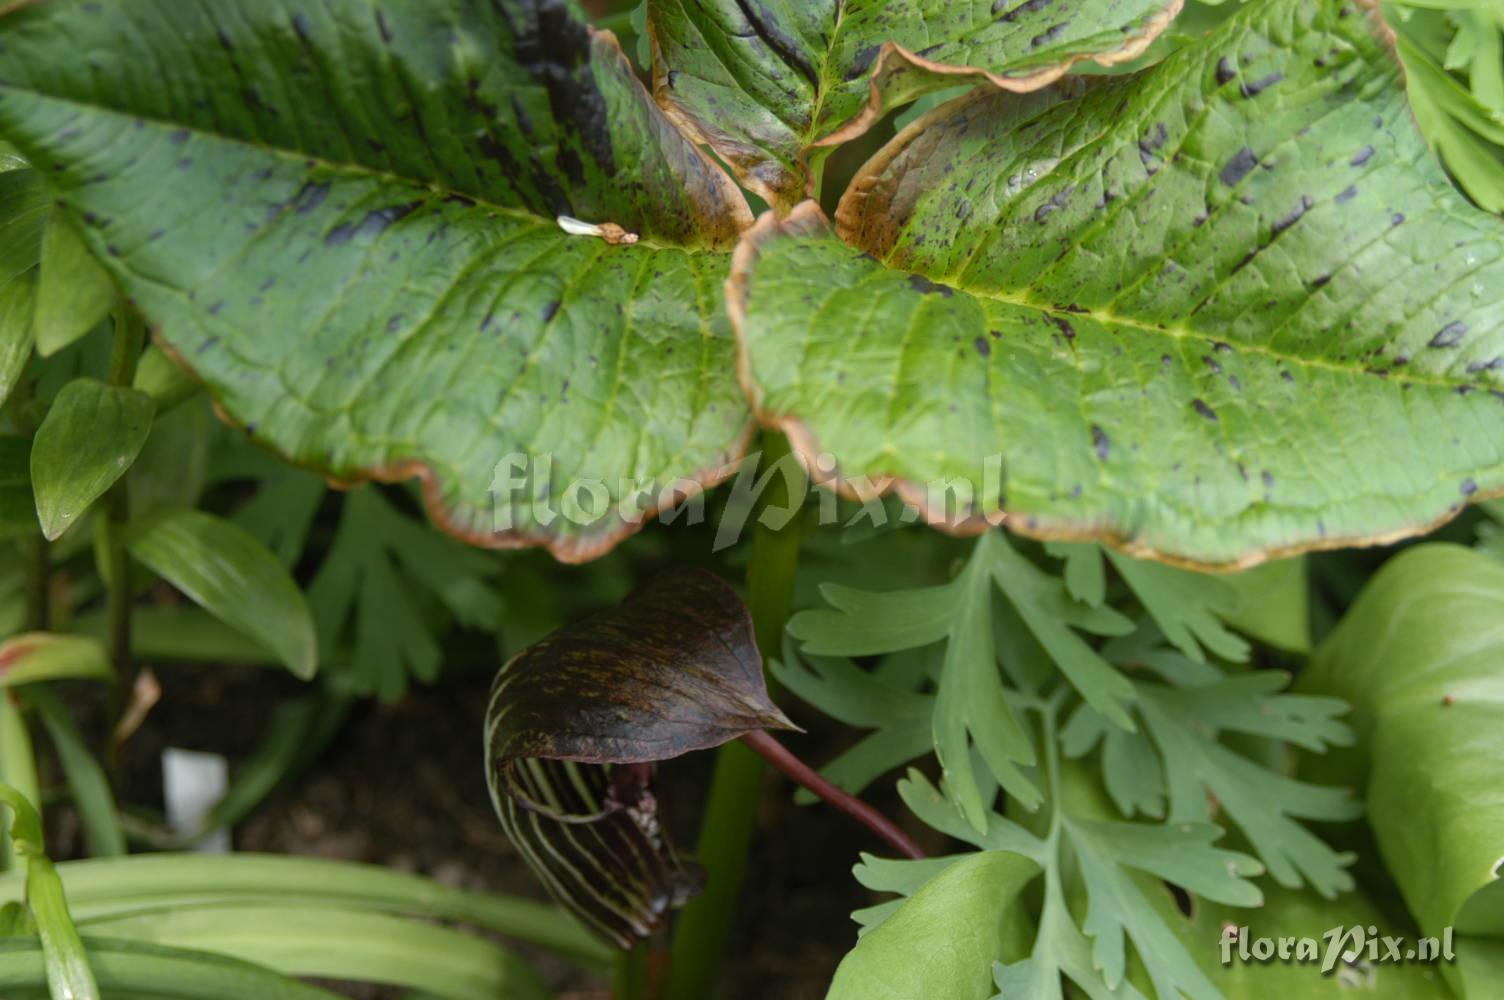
{"points": [[1021, 299], [335, 166]]}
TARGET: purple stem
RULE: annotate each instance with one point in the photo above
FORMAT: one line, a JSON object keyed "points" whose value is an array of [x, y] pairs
{"points": [[780, 757]]}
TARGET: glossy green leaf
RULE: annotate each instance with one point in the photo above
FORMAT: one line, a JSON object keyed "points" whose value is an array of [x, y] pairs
{"points": [[90, 437], [43, 656], [1215, 311], [17, 300], [1418, 657], [232, 576], [342, 219], [73, 292], [765, 81], [943, 940]]}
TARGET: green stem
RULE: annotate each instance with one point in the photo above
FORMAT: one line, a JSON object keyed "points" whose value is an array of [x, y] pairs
{"points": [[38, 582], [18, 764], [736, 785], [629, 976], [130, 338]]}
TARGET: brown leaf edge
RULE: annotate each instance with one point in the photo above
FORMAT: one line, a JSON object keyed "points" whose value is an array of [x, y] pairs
{"points": [[806, 219], [1135, 44], [892, 57], [574, 550]]}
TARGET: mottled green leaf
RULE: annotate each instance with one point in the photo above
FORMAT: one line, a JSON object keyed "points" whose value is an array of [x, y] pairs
{"points": [[1221, 309], [943, 940], [73, 291], [341, 217], [90, 437], [1418, 656], [231, 575], [764, 81]]}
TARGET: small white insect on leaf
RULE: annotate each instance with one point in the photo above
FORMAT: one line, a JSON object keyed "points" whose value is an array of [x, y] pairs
{"points": [[608, 231]]}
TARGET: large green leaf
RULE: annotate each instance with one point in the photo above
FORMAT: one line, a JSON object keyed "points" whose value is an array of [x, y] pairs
{"points": [[764, 81], [342, 218], [1224, 308], [1418, 656]]}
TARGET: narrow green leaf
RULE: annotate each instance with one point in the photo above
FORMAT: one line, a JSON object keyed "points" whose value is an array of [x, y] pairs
{"points": [[17, 300], [144, 883], [180, 633], [92, 796], [18, 774], [67, 966], [131, 969], [232, 576], [69, 976], [332, 943], [90, 437], [73, 292], [44, 656], [943, 940]]}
